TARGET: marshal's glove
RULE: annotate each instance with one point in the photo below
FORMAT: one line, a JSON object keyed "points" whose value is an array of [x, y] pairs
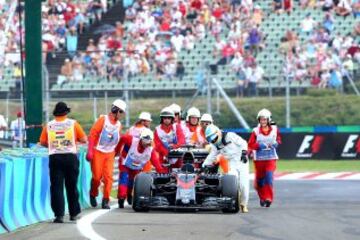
{"points": [[244, 156], [262, 146]]}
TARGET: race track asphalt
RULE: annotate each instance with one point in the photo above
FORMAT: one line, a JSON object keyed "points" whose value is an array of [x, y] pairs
{"points": [[302, 210]]}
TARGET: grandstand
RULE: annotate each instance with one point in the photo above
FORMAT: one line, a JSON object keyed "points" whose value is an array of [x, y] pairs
{"points": [[273, 27]]}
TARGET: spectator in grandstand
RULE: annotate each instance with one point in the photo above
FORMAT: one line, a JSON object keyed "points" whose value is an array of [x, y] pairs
{"points": [[110, 70], [96, 9], [216, 28], [356, 31], [326, 5], [66, 73], [324, 79], [144, 65], [170, 69], [17, 76], [263, 142], [242, 83], [180, 70], [131, 64], [249, 59], [288, 5], [257, 15], [321, 35], [17, 127], [254, 40], [71, 42], [78, 72], [96, 67], [348, 64], [343, 8], [335, 79], [130, 14], [177, 41], [356, 9], [284, 47], [227, 54], [219, 45], [277, 6], [254, 75], [189, 41], [200, 31], [79, 21], [308, 24], [91, 48], [234, 33], [328, 23], [200, 80], [3, 126], [63, 161]]}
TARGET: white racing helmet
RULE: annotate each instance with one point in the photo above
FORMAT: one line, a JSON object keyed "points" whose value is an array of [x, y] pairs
{"points": [[206, 118], [213, 134], [145, 116]]}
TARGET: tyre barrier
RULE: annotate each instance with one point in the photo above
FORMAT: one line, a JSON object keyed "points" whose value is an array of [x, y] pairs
{"points": [[25, 187]]}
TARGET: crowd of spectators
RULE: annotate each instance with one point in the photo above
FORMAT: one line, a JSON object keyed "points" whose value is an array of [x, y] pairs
{"points": [[158, 31], [62, 21], [340, 7], [325, 58]]}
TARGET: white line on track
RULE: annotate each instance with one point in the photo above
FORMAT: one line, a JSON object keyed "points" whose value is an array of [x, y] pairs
{"points": [[84, 223]]}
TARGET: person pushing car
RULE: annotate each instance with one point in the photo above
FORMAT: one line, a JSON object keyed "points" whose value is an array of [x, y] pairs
{"points": [[234, 149]]}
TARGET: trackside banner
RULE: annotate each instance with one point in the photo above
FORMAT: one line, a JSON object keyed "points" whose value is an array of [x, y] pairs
{"points": [[318, 145]]}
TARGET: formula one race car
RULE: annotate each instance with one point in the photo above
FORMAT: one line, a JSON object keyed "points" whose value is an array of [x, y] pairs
{"points": [[187, 187]]}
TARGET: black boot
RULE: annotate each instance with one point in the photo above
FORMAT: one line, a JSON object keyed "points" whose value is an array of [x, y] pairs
{"points": [[121, 202], [105, 204], [129, 199], [93, 201], [267, 203], [59, 219]]}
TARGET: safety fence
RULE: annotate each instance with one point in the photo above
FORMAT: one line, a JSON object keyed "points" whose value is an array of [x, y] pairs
{"points": [[25, 186]]}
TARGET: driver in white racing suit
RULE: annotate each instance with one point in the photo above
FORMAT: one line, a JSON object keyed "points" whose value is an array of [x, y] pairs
{"points": [[234, 149]]}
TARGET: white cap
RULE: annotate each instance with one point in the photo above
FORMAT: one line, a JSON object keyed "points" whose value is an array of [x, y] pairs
{"points": [[145, 116], [120, 104], [206, 118]]}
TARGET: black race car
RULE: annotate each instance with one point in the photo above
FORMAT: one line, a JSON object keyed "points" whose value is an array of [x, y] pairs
{"points": [[188, 187]]}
